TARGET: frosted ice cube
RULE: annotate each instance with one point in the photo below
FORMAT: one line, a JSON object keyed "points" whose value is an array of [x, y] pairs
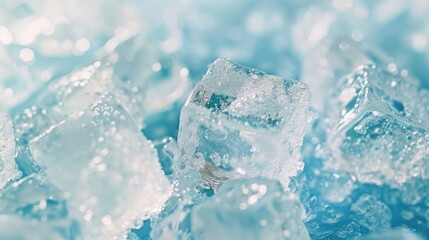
{"points": [[8, 167], [377, 127], [370, 213], [109, 171], [61, 99], [392, 234], [15, 227], [250, 209], [240, 121]]}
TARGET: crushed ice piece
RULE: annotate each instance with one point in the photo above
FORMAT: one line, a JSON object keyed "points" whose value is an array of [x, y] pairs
{"points": [[392, 234], [378, 129], [370, 213], [107, 169], [15, 227], [8, 167], [250, 209], [174, 221], [240, 121], [33, 196]]}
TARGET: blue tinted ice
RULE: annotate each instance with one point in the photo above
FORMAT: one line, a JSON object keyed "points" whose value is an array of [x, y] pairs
{"points": [[330, 61], [152, 85], [14, 227], [240, 121], [370, 213], [116, 182], [250, 209], [174, 221], [61, 99], [33, 208], [33, 197], [378, 129]]}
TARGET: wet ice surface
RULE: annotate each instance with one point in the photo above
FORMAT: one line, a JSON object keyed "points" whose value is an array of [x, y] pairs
{"points": [[240, 121], [106, 193], [84, 86]]}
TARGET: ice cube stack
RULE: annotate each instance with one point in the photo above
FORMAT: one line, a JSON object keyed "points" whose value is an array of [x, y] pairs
{"points": [[110, 129]]}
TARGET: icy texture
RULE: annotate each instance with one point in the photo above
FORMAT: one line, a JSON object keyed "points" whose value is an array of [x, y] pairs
{"points": [[33, 197], [174, 221], [150, 84], [250, 209], [371, 213], [8, 168], [15, 227], [240, 121], [397, 27], [330, 61], [61, 99], [168, 152], [32, 208], [378, 132], [392, 234], [334, 186], [107, 169]]}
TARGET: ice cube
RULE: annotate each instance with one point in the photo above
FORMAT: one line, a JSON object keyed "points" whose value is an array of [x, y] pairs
{"points": [[109, 171], [392, 234], [378, 127], [240, 121], [61, 99], [370, 213], [8, 167], [250, 209]]}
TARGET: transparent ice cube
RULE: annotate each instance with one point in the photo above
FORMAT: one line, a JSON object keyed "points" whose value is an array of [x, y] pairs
{"points": [[109, 172], [378, 128], [240, 121]]}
